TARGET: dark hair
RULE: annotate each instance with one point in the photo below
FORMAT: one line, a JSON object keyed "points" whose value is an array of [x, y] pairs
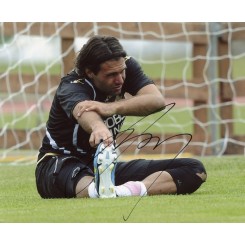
{"points": [[97, 50]]}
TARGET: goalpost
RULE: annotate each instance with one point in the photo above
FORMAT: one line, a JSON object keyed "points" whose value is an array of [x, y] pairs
{"points": [[199, 68]]}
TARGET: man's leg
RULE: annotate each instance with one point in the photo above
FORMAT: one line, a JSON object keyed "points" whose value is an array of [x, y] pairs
{"points": [[141, 177], [160, 182], [83, 186], [155, 184], [103, 184], [173, 176]]}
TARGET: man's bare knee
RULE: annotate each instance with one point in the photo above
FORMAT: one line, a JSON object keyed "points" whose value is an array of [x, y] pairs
{"points": [[160, 183], [82, 186]]}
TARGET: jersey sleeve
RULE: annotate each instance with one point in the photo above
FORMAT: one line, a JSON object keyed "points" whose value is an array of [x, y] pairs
{"points": [[72, 92], [135, 77]]}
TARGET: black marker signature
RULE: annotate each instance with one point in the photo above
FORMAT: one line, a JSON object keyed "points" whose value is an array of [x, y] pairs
{"points": [[131, 129], [148, 138], [158, 143]]}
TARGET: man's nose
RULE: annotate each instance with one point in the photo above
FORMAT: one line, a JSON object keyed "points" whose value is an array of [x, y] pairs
{"points": [[119, 79]]}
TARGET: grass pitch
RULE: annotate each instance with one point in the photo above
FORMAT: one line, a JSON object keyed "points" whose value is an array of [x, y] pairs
{"points": [[219, 200]]}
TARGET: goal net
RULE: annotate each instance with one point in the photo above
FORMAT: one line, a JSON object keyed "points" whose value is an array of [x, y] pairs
{"points": [[198, 67]]}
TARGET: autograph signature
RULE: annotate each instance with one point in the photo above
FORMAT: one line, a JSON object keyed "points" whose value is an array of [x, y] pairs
{"points": [[148, 137], [127, 136]]}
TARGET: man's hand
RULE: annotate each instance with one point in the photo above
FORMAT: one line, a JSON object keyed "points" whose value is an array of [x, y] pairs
{"points": [[103, 109], [100, 133]]}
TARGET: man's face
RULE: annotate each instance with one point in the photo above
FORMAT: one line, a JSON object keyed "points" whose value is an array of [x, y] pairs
{"points": [[111, 76]]}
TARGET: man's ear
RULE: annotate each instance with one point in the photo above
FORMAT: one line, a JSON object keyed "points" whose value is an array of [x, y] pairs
{"points": [[89, 73]]}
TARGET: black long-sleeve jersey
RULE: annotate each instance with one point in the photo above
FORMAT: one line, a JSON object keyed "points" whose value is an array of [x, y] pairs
{"points": [[63, 133]]}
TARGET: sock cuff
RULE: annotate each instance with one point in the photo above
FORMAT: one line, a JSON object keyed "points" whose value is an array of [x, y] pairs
{"points": [[131, 188], [143, 189], [92, 192]]}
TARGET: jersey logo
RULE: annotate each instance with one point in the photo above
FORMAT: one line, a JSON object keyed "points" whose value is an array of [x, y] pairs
{"points": [[114, 124], [127, 58], [78, 81]]}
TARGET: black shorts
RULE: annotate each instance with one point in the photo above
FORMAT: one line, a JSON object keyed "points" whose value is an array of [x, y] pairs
{"points": [[57, 176]]}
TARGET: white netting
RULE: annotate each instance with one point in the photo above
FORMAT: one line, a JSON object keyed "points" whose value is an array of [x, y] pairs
{"points": [[186, 68]]}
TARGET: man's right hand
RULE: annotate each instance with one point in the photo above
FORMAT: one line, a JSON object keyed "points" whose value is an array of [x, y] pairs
{"points": [[100, 133]]}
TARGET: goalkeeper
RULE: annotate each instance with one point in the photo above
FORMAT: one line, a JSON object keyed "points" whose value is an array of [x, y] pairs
{"points": [[78, 156]]}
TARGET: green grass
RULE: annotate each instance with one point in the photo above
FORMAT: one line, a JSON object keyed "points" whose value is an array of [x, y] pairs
{"points": [[180, 69], [219, 200], [174, 70], [237, 67], [34, 68], [17, 121], [175, 121], [239, 113]]}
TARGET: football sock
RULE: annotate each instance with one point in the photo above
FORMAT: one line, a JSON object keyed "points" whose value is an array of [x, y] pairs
{"points": [[92, 192], [131, 188]]}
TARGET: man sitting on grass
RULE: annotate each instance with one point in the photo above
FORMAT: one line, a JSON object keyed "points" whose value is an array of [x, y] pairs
{"points": [[78, 158]]}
